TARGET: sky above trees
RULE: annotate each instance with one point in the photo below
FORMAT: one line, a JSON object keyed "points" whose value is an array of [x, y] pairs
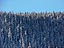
{"points": [[31, 5]]}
